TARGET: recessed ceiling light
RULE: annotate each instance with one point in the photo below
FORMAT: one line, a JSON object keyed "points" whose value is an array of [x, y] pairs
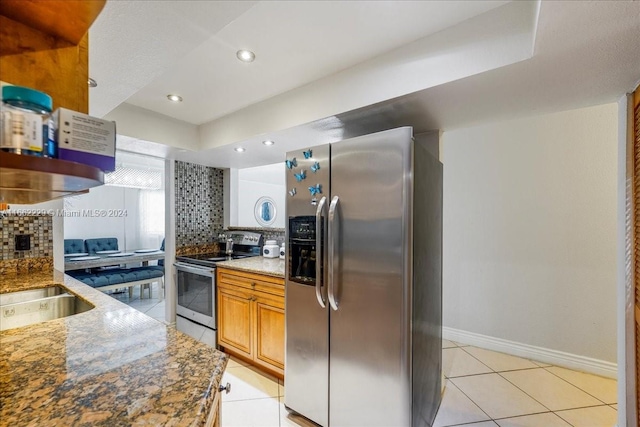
{"points": [[245, 55], [92, 83], [268, 142], [239, 149], [174, 98]]}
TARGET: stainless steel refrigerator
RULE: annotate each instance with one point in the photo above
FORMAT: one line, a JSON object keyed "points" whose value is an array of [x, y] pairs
{"points": [[364, 282]]}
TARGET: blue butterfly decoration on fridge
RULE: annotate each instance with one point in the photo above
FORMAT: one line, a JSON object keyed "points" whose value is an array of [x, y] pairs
{"points": [[300, 176], [315, 167], [315, 189], [292, 192], [307, 154], [291, 163]]}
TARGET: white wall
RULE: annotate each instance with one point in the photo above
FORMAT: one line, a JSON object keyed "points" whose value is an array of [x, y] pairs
{"points": [[147, 125], [135, 229], [170, 289], [230, 181], [104, 198], [249, 186], [530, 231]]}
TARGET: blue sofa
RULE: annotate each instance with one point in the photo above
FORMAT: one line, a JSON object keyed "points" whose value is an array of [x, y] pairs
{"points": [[119, 278], [102, 244], [73, 246], [108, 278], [160, 266]]}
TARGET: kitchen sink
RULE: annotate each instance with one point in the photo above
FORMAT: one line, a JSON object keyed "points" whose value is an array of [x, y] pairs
{"points": [[38, 305], [30, 295]]}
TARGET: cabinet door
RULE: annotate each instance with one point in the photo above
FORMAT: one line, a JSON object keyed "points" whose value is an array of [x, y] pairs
{"points": [[269, 331], [234, 321]]}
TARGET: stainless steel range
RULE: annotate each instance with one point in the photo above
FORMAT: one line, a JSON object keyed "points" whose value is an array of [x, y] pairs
{"points": [[196, 282]]}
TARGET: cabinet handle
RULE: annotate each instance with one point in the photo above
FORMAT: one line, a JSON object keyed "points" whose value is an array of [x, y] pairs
{"points": [[226, 388]]}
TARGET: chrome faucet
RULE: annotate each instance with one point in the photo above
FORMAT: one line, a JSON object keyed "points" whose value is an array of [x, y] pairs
{"points": [[229, 247]]}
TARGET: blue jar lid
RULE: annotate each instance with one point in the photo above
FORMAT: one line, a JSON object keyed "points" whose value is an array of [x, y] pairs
{"points": [[25, 94]]}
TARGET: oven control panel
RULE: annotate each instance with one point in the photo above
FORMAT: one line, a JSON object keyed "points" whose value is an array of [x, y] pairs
{"points": [[245, 238]]}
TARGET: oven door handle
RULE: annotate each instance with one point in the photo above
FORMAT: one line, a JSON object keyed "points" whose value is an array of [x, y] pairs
{"points": [[209, 272]]}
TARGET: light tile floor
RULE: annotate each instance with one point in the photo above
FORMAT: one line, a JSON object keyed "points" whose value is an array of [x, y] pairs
{"points": [[499, 389], [152, 307], [483, 388]]}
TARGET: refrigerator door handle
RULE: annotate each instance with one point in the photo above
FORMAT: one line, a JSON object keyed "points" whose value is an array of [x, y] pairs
{"points": [[320, 252], [332, 237]]}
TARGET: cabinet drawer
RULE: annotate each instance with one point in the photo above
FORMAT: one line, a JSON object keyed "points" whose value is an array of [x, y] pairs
{"points": [[254, 282]]}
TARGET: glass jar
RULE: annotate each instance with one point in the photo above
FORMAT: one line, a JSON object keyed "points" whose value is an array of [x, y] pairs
{"points": [[26, 126]]}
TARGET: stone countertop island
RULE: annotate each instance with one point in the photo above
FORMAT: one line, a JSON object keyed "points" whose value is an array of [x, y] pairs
{"points": [[257, 264], [109, 366]]}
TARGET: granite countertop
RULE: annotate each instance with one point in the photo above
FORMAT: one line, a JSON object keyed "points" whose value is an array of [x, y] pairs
{"points": [[256, 264], [111, 366]]}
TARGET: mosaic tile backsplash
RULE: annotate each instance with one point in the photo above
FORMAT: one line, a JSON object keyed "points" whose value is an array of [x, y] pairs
{"points": [[199, 204], [39, 257], [40, 228]]}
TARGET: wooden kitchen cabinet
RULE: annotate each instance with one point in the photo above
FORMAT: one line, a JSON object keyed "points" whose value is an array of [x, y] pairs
{"points": [[214, 419], [269, 342], [251, 318], [44, 45], [234, 320]]}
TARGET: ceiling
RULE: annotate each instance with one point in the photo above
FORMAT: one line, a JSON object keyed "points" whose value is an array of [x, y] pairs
{"points": [[579, 54], [189, 48], [132, 43]]}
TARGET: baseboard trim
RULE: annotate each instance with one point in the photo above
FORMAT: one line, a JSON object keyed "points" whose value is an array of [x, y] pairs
{"points": [[540, 354]]}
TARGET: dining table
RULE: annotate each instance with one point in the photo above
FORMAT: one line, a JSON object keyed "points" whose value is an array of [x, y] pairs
{"points": [[82, 261]]}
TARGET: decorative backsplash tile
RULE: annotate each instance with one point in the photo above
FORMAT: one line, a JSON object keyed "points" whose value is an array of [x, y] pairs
{"points": [[39, 256], [199, 204], [40, 230]]}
